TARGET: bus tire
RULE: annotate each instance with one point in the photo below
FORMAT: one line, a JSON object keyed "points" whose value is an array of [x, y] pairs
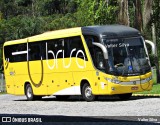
{"points": [[125, 96], [87, 93], [29, 93]]}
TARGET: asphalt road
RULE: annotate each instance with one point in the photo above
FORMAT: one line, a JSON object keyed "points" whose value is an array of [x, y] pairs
{"points": [[145, 109]]}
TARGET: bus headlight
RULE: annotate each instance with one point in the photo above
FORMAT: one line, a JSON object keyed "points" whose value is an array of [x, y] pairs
{"points": [[114, 80]]}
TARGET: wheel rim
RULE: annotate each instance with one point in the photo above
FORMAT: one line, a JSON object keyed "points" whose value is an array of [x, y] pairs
{"points": [[88, 92], [29, 92]]}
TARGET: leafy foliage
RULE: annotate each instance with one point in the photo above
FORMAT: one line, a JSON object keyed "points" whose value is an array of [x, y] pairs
{"points": [[23, 18]]}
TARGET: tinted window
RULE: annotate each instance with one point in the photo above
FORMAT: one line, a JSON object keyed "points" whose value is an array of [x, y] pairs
{"points": [[92, 49], [16, 53], [76, 43], [8, 53], [34, 51], [65, 47], [57, 46]]}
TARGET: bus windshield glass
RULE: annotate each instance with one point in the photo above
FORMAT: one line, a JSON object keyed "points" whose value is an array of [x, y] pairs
{"points": [[127, 57]]}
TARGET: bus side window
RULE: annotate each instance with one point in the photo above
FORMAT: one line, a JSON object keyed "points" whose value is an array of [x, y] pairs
{"points": [[43, 50], [89, 40], [20, 57], [60, 47], [57, 46], [34, 51], [8, 53], [99, 62], [76, 43], [51, 46], [66, 47]]}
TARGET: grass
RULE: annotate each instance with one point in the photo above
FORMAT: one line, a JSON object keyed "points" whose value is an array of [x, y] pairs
{"points": [[2, 93], [2, 89], [154, 76], [155, 90], [2, 85], [156, 86]]}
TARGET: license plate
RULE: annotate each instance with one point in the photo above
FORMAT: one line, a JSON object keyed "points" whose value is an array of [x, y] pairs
{"points": [[134, 88]]}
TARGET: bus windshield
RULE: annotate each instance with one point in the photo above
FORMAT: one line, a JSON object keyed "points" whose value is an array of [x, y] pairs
{"points": [[127, 57]]}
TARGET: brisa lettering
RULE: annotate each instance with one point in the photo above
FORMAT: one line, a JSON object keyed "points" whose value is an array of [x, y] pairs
{"points": [[55, 63]]}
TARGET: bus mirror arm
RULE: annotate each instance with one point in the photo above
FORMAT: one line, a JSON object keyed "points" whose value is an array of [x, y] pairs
{"points": [[103, 48], [105, 54]]}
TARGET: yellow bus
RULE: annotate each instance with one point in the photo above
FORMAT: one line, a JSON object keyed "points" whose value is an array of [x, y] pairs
{"points": [[88, 61]]}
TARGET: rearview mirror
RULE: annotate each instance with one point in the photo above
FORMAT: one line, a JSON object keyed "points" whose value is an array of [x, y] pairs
{"points": [[103, 48]]}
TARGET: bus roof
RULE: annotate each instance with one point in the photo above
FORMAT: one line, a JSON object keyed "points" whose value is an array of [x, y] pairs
{"points": [[111, 31], [48, 35], [106, 31]]}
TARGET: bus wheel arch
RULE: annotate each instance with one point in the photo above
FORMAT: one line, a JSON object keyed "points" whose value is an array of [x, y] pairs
{"points": [[86, 91], [29, 92]]}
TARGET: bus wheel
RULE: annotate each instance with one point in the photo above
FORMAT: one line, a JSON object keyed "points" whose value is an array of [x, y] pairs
{"points": [[62, 97], [29, 93], [87, 93], [125, 96]]}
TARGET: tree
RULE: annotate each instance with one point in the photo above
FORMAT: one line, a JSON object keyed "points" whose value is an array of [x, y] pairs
{"points": [[156, 31], [123, 16], [96, 12], [149, 24], [138, 15], [156, 18], [147, 13]]}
